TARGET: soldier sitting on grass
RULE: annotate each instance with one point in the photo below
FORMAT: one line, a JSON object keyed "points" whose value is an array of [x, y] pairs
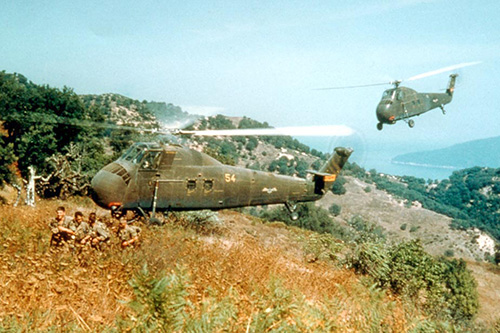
{"points": [[63, 228], [128, 234], [94, 232]]}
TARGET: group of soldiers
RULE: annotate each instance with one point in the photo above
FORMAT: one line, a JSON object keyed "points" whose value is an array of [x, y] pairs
{"points": [[67, 230]]}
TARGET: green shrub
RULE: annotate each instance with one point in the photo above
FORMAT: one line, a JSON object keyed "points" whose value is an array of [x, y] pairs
{"points": [[159, 304], [449, 253], [335, 209], [321, 247], [414, 228], [444, 288], [371, 258], [367, 231], [338, 186], [461, 294], [162, 305], [273, 307], [203, 221]]}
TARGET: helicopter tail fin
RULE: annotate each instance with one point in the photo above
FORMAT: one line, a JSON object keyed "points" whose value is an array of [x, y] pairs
{"points": [[451, 84], [326, 176]]}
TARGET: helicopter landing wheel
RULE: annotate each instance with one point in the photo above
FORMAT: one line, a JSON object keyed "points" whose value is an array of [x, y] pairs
{"points": [[411, 123], [380, 126]]}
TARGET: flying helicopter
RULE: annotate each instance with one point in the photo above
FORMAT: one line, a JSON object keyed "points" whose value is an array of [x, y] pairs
{"points": [[402, 103], [151, 177]]}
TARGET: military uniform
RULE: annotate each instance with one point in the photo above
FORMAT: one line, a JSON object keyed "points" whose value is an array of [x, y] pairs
{"points": [[59, 236], [83, 231], [101, 230], [98, 229], [129, 232]]}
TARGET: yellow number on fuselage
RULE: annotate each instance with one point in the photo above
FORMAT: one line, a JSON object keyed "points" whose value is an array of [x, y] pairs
{"points": [[230, 178]]}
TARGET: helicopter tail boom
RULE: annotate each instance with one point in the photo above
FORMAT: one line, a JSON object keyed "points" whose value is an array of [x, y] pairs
{"points": [[326, 176], [451, 84]]}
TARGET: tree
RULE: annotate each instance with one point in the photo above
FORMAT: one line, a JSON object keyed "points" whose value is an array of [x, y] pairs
{"points": [[39, 120], [7, 158]]}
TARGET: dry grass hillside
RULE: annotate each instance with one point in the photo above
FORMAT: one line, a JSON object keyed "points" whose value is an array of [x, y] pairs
{"points": [[238, 275], [254, 276]]}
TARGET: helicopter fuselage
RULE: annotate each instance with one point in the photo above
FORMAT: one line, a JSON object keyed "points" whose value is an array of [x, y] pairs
{"points": [[174, 178], [402, 103]]}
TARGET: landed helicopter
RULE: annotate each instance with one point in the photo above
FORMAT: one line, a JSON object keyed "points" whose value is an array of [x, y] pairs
{"points": [[402, 103], [155, 177]]}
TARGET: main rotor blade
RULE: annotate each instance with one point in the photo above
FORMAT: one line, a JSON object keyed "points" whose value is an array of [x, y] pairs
{"points": [[328, 130], [38, 117], [442, 70], [357, 86]]}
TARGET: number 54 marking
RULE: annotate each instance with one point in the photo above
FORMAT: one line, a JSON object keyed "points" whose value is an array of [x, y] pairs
{"points": [[228, 177]]}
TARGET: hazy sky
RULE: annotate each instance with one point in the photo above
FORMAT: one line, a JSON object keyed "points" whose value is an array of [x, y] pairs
{"points": [[263, 59]]}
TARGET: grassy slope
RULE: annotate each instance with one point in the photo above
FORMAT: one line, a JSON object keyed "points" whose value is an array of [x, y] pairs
{"points": [[43, 289]]}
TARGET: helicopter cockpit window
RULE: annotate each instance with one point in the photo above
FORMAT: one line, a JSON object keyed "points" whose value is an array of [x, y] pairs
{"points": [[388, 94], [130, 153], [139, 151], [401, 95], [151, 161], [134, 154], [138, 158]]}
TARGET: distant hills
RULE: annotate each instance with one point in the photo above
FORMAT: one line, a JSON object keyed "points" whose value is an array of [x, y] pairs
{"points": [[484, 153]]}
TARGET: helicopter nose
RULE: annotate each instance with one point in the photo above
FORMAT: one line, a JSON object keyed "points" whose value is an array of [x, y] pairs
{"points": [[108, 189], [385, 114]]}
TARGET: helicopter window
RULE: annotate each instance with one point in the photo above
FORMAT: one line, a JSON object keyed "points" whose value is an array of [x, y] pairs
{"points": [[130, 153], [388, 94], [150, 161], [208, 184], [191, 184], [138, 158], [401, 95], [134, 154]]}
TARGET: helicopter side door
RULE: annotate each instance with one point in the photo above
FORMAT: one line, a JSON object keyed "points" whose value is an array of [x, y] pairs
{"points": [[147, 175]]}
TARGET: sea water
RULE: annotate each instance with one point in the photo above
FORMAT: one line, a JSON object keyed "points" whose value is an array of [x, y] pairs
{"points": [[375, 155]]}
